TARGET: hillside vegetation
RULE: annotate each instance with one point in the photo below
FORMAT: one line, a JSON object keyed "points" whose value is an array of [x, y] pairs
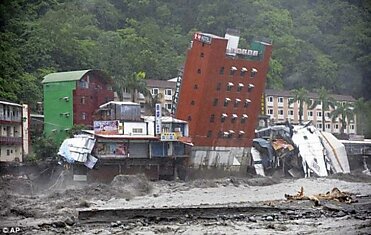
{"points": [[316, 42]]}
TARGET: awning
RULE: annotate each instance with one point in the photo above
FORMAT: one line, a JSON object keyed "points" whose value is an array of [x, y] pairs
{"points": [[254, 70], [241, 132], [227, 99], [231, 131], [224, 115], [244, 116], [241, 85], [230, 84], [234, 115], [248, 101], [251, 85], [244, 69], [233, 68], [238, 100]]}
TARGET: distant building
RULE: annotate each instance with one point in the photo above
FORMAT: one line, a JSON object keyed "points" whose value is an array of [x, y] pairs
{"points": [[163, 90], [279, 109], [220, 94], [14, 132], [71, 98]]}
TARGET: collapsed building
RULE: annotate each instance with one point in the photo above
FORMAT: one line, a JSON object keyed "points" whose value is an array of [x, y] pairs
{"points": [[298, 151], [124, 142]]}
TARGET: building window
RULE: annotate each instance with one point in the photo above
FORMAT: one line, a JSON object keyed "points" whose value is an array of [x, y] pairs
{"points": [[250, 87], [215, 102], [209, 133], [83, 116], [82, 100], [234, 118], [223, 117], [212, 117], [229, 86], [351, 126], [233, 70], [310, 113], [328, 126], [336, 126], [319, 114], [189, 118], [195, 87], [290, 112], [243, 72], [168, 106], [270, 111], [202, 55], [237, 101], [226, 102], [221, 71], [240, 86], [253, 72], [192, 102], [137, 130], [280, 112], [169, 92], [270, 99], [280, 100], [155, 91], [218, 86], [199, 71], [7, 152], [319, 125], [84, 84], [247, 102]]}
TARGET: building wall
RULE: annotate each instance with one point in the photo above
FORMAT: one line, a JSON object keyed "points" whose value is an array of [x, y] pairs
{"points": [[11, 148], [91, 92], [203, 86], [58, 108], [279, 109], [71, 103]]}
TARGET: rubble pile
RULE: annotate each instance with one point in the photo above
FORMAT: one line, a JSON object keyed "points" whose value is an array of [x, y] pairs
{"points": [[298, 151]]}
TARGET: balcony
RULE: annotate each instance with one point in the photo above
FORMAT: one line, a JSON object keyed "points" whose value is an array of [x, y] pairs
{"points": [[10, 140], [10, 118]]}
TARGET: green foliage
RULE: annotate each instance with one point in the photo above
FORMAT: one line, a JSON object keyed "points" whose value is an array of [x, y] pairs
{"points": [[45, 147], [76, 129], [315, 43], [345, 112], [300, 96]]}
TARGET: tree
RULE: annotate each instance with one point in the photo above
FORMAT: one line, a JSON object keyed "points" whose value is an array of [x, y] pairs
{"points": [[325, 101], [300, 96], [134, 84], [361, 109], [150, 105], [345, 112]]}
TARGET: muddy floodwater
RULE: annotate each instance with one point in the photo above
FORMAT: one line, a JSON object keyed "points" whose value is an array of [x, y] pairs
{"points": [[203, 206]]}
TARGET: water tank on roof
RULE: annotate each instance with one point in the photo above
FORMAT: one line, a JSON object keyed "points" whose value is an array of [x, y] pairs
{"points": [[233, 36]]}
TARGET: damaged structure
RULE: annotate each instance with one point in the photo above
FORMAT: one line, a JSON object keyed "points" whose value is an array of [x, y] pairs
{"points": [[219, 93], [298, 151], [123, 142]]}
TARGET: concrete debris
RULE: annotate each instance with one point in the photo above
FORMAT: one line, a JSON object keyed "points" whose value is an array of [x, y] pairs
{"points": [[298, 151], [78, 149]]}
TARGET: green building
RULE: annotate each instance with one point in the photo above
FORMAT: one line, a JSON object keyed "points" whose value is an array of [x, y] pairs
{"points": [[71, 98]]}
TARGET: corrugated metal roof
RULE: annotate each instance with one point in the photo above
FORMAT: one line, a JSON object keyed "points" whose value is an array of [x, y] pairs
{"points": [[65, 76]]}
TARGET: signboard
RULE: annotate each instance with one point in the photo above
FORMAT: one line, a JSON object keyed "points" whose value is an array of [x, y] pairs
{"points": [[170, 136], [202, 38], [241, 51], [106, 127], [158, 115]]}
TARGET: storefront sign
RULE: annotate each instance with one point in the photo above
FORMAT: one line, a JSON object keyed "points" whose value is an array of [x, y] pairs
{"points": [[158, 115], [106, 127]]}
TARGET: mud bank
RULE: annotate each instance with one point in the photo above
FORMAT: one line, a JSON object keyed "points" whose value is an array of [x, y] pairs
{"points": [[55, 210]]}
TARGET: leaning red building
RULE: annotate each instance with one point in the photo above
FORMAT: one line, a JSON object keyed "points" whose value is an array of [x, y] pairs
{"points": [[220, 94]]}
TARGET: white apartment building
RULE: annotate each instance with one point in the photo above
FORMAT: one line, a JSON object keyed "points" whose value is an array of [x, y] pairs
{"points": [[13, 131], [278, 107]]}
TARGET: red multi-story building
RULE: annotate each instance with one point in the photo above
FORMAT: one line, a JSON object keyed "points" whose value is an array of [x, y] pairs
{"points": [[221, 89]]}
